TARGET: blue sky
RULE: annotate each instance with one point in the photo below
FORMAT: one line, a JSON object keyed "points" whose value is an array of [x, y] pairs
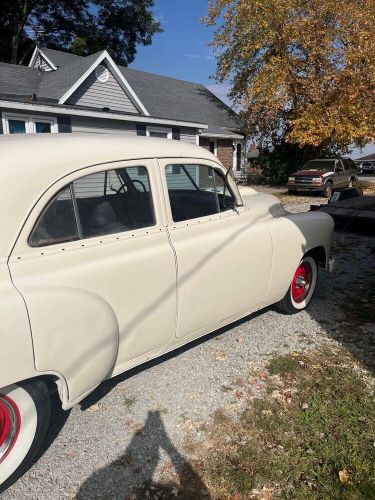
{"points": [[182, 51]]}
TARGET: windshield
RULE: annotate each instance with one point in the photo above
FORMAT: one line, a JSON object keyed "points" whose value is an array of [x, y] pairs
{"points": [[327, 165]]}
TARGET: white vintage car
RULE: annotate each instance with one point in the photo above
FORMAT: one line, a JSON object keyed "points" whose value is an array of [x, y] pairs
{"points": [[114, 251]]}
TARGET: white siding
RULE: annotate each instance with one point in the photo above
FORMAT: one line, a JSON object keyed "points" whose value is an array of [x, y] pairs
{"points": [[99, 126], [95, 94]]}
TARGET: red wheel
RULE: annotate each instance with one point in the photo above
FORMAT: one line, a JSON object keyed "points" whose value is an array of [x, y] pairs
{"points": [[301, 282], [301, 289], [24, 420], [10, 423]]}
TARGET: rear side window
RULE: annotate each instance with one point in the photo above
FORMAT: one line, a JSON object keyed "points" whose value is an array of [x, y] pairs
{"points": [[103, 203], [58, 223], [197, 191]]}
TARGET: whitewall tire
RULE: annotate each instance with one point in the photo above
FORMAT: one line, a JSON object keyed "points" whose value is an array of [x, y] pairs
{"points": [[301, 289], [24, 420]]}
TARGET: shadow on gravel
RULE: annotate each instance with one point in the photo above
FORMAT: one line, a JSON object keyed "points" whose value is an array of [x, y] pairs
{"points": [[344, 301], [131, 475]]}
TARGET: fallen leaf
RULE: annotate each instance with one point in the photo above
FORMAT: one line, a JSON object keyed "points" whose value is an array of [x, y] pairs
{"points": [[238, 394], [344, 476], [304, 406], [220, 355], [94, 407]]}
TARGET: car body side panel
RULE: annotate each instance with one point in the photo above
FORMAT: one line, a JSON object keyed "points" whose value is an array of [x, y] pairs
{"points": [[16, 349], [97, 302], [294, 235]]}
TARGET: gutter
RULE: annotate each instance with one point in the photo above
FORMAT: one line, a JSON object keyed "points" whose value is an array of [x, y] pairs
{"points": [[222, 136], [59, 110]]}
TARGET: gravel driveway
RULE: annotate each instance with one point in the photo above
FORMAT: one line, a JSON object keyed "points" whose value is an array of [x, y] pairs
{"points": [[145, 425]]}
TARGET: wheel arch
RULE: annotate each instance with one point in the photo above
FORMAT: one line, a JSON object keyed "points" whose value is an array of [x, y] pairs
{"points": [[54, 382], [319, 254]]}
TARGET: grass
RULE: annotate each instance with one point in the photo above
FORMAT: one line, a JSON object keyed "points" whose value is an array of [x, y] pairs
{"points": [[312, 435]]}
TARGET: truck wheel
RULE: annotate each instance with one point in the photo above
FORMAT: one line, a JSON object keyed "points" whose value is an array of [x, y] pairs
{"points": [[301, 289], [24, 419], [328, 189]]}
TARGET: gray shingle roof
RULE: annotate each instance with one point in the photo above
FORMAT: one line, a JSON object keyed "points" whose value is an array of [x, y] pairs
{"points": [[166, 97], [60, 58], [18, 81], [162, 96]]}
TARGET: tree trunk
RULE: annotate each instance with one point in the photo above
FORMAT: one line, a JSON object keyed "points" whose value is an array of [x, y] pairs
{"points": [[20, 18]]}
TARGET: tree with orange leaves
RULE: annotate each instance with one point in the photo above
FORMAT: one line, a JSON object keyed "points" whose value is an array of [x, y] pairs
{"points": [[303, 71]]}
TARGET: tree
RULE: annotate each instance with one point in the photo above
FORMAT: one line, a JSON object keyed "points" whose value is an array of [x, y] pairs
{"points": [[303, 71], [80, 26]]}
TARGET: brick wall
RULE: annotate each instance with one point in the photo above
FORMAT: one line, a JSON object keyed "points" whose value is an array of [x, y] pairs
{"points": [[224, 150]]}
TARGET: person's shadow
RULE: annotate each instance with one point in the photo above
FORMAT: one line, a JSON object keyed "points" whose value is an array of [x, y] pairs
{"points": [[131, 475]]}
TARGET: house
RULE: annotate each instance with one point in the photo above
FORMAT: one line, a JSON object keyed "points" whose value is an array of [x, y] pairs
{"points": [[61, 92], [365, 158]]}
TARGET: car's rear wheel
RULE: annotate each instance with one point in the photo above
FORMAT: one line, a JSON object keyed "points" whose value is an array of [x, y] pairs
{"points": [[328, 189], [24, 419], [301, 289]]}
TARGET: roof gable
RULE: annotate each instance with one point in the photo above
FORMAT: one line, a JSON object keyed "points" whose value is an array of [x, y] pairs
{"points": [[102, 90], [40, 61], [110, 64]]}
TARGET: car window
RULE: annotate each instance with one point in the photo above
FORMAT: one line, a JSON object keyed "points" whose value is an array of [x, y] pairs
{"points": [[338, 167], [98, 204], [114, 201], [197, 191], [57, 223]]}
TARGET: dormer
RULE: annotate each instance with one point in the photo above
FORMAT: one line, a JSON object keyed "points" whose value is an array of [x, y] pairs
{"points": [[40, 61]]}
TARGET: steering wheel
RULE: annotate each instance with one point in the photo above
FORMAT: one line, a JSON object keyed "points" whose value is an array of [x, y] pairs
{"points": [[123, 186], [134, 181]]}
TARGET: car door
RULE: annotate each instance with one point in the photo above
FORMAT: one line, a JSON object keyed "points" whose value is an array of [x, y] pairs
{"points": [[340, 177], [97, 273], [223, 252]]}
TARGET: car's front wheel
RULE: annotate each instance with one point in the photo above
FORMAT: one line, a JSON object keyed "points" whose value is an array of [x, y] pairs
{"points": [[24, 419], [301, 289]]}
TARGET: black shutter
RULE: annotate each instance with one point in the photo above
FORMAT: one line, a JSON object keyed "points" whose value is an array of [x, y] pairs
{"points": [[176, 133], [141, 129], [64, 124], [1, 124]]}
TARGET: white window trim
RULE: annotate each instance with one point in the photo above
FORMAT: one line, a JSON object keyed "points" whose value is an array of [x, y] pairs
{"points": [[29, 122], [161, 130]]}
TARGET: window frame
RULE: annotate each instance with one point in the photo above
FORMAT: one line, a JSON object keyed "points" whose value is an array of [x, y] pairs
{"points": [[29, 119], [92, 240], [160, 130]]}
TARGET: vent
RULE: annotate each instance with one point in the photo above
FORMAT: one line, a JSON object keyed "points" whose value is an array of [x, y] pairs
{"points": [[101, 73]]}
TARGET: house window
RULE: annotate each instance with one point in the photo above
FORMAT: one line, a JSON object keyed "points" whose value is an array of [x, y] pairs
{"points": [[163, 133], [16, 124]]}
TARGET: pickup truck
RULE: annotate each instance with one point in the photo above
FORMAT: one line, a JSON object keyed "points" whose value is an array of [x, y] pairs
{"points": [[323, 175]]}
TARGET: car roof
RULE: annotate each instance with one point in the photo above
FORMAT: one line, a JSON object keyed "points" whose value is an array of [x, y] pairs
{"points": [[31, 163], [324, 159]]}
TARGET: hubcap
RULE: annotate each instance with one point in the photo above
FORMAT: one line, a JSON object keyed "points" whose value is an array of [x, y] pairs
{"points": [[10, 421], [301, 282]]}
